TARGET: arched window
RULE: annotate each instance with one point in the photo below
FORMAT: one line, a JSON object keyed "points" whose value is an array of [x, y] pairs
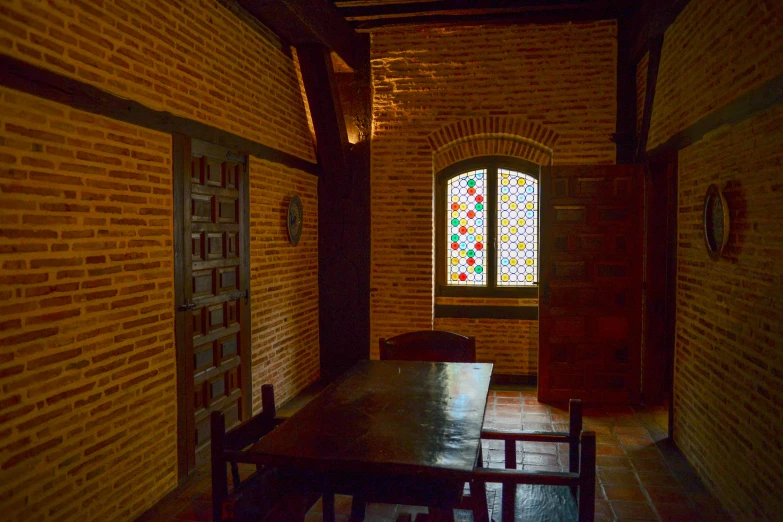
{"points": [[487, 228]]}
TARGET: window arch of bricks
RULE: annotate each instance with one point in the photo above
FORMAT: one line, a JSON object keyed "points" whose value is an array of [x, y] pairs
{"points": [[487, 153]]}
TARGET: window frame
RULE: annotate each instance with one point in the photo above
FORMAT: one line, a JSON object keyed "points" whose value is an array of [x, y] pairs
{"points": [[491, 164]]}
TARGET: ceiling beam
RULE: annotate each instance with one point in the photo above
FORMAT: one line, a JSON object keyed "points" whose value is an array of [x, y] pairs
{"points": [[533, 17], [354, 12], [308, 22]]}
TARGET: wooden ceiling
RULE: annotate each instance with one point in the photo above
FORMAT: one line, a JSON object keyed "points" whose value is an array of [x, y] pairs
{"points": [[365, 15]]}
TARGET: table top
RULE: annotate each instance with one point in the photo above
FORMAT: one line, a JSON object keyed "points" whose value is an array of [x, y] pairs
{"points": [[392, 416]]}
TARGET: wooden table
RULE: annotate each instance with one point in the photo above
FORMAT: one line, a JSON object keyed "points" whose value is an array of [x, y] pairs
{"points": [[389, 431]]}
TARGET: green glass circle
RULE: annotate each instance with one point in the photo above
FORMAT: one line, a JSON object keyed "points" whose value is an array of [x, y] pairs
{"points": [[479, 269], [471, 253], [472, 183], [455, 237], [479, 206], [455, 222]]}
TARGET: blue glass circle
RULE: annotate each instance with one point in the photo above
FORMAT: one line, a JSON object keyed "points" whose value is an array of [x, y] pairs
{"points": [[504, 190], [463, 245], [521, 197], [471, 237], [504, 262], [479, 222], [529, 213], [529, 190], [479, 175]]}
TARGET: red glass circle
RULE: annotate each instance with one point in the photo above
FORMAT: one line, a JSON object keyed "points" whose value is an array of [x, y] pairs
{"points": [[463, 230], [471, 214], [471, 191], [463, 277], [479, 199], [455, 206], [479, 246], [455, 246], [471, 261]]}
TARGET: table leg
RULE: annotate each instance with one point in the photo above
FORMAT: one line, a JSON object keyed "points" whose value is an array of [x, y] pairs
{"points": [[328, 506]]}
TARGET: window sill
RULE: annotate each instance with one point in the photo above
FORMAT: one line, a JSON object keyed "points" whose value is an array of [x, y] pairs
{"points": [[461, 311]]}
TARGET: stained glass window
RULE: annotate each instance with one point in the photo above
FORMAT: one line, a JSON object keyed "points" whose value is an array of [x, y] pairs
{"points": [[487, 230], [517, 226], [466, 229]]}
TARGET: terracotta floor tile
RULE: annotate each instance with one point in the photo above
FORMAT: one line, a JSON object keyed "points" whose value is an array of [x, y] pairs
{"points": [[677, 513], [603, 462], [613, 477], [197, 511], [656, 465], [603, 509], [643, 452], [625, 510], [634, 493], [635, 440], [614, 450], [669, 495], [653, 479]]}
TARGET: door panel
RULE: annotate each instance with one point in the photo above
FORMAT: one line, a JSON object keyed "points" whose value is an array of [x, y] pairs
{"points": [[591, 269], [213, 289]]}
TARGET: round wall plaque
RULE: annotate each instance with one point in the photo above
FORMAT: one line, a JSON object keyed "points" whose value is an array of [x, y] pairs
{"points": [[294, 220], [716, 222]]}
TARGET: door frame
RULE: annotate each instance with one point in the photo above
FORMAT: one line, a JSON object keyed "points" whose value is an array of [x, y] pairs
{"points": [[182, 146]]}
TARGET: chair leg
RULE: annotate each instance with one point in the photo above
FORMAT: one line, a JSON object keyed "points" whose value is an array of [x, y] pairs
{"points": [[509, 492], [358, 508], [478, 499]]}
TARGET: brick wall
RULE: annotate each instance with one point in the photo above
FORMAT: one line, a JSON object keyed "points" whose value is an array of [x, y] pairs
{"points": [[87, 360], [284, 282], [193, 58], [561, 78], [728, 409], [714, 52]]}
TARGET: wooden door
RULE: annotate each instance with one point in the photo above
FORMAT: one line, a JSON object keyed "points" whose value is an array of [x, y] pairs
{"points": [[591, 282], [212, 293]]}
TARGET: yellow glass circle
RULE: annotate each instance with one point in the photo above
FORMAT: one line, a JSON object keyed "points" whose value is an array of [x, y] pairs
{"points": [[521, 246], [505, 179], [521, 222], [454, 276], [529, 277], [471, 230], [455, 214], [504, 277], [504, 222], [513, 230], [461, 253], [513, 206], [479, 237], [455, 198], [463, 221], [464, 206], [454, 261], [504, 237], [470, 269], [513, 261], [521, 181], [529, 262], [529, 206]]}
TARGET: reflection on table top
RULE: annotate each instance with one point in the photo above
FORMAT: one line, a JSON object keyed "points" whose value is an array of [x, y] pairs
{"points": [[408, 417]]}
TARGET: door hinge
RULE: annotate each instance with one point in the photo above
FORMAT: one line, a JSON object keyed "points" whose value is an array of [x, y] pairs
{"points": [[237, 295]]}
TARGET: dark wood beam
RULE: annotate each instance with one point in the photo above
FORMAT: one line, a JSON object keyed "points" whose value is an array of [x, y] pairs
{"points": [[742, 108], [625, 135], [28, 78], [307, 22], [351, 11], [650, 21], [326, 110], [530, 17], [649, 98]]}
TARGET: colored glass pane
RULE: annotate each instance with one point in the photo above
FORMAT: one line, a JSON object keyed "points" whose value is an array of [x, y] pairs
{"points": [[465, 266], [517, 222]]}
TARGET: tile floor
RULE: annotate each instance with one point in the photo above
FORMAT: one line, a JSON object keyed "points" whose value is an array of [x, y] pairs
{"points": [[641, 475]]}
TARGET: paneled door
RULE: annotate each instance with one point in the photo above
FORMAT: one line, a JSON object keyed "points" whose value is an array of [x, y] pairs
{"points": [[591, 283], [212, 293]]}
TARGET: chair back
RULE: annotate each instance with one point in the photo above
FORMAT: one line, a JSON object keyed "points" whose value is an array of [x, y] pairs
{"points": [[429, 345], [235, 440]]}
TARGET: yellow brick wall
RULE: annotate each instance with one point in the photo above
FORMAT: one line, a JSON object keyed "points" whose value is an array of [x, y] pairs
{"points": [[560, 78], [192, 58], [284, 281], [87, 356], [728, 394], [714, 52]]}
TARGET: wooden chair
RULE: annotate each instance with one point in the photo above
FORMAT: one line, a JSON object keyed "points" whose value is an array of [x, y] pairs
{"points": [[262, 492], [429, 345], [578, 504]]}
